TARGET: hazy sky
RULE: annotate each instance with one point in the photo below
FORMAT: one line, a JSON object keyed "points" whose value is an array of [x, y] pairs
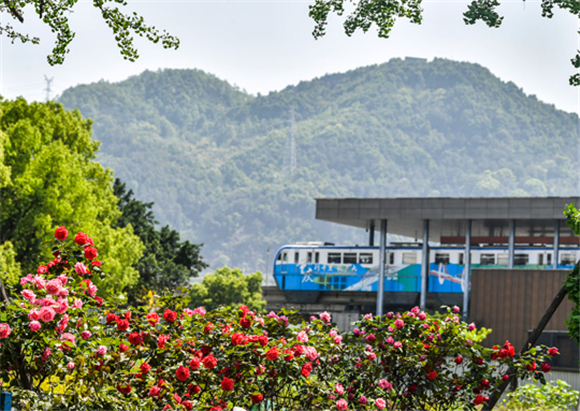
{"points": [[267, 45]]}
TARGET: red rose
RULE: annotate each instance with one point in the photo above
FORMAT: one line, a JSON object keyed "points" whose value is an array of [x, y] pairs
{"points": [[263, 340], [257, 398], [98, 301], [484, 383], [272, 354], [111, 318], [208, 327], [478, 400], [123, 347], [135, 338], [90, 253], [245, 322], [458, 359], [145, 368], [42, 269], [61, 233], [194, 363], [553, 351], [209, 362], [238, 339], [153, 318], [81, 239], [227, 384], [505, 377], [531, 367], [546, 367], [182, 373], [126, 389], [188, 405], [122, 325], [205, 349], [479, 361], [432, 375], [413, 387], [169, 316]]}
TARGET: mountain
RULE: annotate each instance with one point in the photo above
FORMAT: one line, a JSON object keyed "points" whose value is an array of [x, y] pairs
{"points": [[220, 167]]}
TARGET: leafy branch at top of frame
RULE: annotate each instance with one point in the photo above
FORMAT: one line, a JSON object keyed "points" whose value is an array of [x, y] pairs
{"points": [[383, 14], [54, 13]]}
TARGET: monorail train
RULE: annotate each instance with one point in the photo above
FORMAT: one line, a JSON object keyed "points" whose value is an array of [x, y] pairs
{"points": [[315, 266]]}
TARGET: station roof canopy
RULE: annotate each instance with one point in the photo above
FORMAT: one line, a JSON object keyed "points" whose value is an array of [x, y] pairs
{"points": [[534, 217]]}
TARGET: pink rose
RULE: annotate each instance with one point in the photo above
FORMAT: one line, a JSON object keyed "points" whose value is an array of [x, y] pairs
{"points": [[339, 388], [62, 324], [81, 269], [25, 280], [338, 339], [390, 340], [77, 304], [4, 331], [85, 335], [34, 315], [63, 279], [302, 336], [188, 311], [200, 310], [70, 365], [380, 403], [471, 327], [28, 294], [332, 333], [385, 385], [372, 356], [456, 309], [341, 405], [45, 354], [67, 337], [154, 391], [102, 350], [53, 287], [39, 281], [310, 353], [422, 316], [62, 306], [63, 292], [397, 344], [325, 317], [92, 289], [399, 323], [47, 314]]}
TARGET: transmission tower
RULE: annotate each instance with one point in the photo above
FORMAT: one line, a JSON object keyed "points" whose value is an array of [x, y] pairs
{"points": [[290, 156], [47, 89]]}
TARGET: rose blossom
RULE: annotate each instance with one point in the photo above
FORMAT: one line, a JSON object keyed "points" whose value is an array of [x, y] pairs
{"points": [[39, 281], [399, 323], [34, 326], [62, 306], [471, 327], [77, 304], [62, 324], [302, 336], [385, 385], [53, 287], [397, 344], [341, 405], [47, 314], [81, 238], [325, 317], [199, 310], [67, 337], [310, 353], [339, 388], [456, 309], [91, 253], [45, 354], [182, 373], [25, 280], [169, 316], [85, 335], [362, 400], [153, 318], [227, 384], [102, 350], [380, 403], [34, 315], [81, 269], [70, 365], [60, 233], [29, 294], [338, 339], [154, 391]]}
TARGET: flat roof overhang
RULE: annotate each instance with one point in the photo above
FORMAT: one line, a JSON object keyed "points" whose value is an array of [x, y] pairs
{"points": [[534, 216]]}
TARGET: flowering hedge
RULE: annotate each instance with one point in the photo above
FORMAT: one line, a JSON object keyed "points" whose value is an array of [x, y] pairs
{"points": [[63, 347]]}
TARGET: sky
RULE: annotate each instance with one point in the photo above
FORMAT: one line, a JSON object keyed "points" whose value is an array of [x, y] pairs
{"points": [[264, 46]]}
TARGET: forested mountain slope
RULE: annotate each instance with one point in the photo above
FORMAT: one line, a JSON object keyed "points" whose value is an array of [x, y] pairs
{"points": [[217, 161]]}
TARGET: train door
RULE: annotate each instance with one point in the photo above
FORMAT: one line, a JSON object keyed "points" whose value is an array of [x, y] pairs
{"points": [[284, 263]]}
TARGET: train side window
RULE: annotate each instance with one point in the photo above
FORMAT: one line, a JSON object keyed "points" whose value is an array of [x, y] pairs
{"points": [[296, 257], [441, 258], [285, 257], [502, 259], [541, 259], [309, 258], [488, 259], [521, 259], [567, 259], [279, 257], [349, 258], [391, 258], [549, 259], [365, 258], [334, 258], [409, 258], [316, 257], [461, 259]]}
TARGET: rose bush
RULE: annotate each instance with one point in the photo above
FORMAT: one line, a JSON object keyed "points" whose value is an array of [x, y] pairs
{"points": [[63, 347]]}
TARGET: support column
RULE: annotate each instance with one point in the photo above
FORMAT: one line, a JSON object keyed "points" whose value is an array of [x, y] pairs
{"points": [[381, 285], [424, 265], [556, 256], [372, 234], [467, 270], [511, 244]]}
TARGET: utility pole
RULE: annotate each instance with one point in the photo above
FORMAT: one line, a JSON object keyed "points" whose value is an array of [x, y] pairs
{"points": [[48, 84]]}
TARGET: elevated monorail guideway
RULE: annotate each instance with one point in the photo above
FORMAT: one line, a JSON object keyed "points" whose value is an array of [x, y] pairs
{"points": [[470, 223]]}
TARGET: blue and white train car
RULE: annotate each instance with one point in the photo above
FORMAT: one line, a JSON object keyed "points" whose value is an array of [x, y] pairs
{"points": [[315, 266]]}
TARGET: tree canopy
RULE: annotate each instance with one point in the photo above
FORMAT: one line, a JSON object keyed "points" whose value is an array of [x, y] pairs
{"points": [[383, 15], [49, 178], [167, 262], [229, 287], [55, 14]]}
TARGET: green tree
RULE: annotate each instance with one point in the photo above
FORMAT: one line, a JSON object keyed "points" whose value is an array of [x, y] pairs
{"points": [[229, 287], [55, 13], [383, 15], [53, 180], [572, 282], [167, 262]]}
